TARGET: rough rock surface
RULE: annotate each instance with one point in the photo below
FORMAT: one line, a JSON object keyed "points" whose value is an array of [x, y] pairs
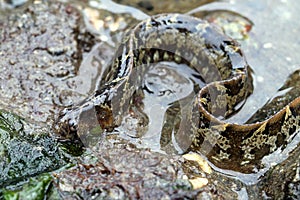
{"points": [[41, 49]]}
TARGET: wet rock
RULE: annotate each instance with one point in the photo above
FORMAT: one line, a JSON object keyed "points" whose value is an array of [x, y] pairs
{"points": [[282, 181], [41, 48], [124, 172], [114, 170]]}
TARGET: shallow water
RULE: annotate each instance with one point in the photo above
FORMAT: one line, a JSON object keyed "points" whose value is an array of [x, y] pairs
{"points": [[272, 49]]}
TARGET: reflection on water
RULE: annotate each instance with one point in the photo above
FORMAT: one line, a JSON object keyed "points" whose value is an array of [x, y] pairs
{"points": [[158, 102]]}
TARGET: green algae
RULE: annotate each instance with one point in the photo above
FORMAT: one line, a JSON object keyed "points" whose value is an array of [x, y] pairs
{"points": [[26, 153], [34, 189]]}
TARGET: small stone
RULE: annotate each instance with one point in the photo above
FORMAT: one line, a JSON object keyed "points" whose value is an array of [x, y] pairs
{"points": [[198, 183], [201, 162]]}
